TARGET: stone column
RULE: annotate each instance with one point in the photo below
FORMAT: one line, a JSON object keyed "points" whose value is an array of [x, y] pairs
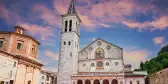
{"points": [[101, 81], [91, 81], [83, 81], [110, 81]]}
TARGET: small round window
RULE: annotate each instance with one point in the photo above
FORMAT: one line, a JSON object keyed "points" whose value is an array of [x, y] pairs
{"points": [[84, 64], [99, 43], [108, 47], [116, 63], [107, 64], [92, 64]]}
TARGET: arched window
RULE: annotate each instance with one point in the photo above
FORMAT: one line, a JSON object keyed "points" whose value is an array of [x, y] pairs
{"points": [[66, 25], [70, 25], [138, 82], [99, 53], [77, 30], [130, 82], [29, 82]]}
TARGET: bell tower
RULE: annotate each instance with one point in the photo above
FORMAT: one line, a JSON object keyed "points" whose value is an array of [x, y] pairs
{"points": [[69, 45]]}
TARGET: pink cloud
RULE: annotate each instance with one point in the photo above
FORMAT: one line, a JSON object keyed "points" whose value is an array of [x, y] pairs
{"points": [[158, 40], [52, 68], [42, 31], [159, 23], [46, 61], [86, 21], [135, 56], [4, 12], [51, 54], [61, 6], [47, 15], [109, 12]]}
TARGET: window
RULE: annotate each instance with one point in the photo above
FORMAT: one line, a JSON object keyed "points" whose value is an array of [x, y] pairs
{"points": [[138, 82], [7, 82], [29, 82], [130, 82], [70, 25], [2, 82], [42, 77], [69, 43], [42, 82], [64, 43], [47, 78], [70, 53], [19, 46], [33, 49], [75, 44], [14, 65], [76, 25], [1, 44], [66, 25]]}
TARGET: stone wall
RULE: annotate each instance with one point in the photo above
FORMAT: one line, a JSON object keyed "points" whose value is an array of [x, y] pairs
{"points": [[160, 77]]}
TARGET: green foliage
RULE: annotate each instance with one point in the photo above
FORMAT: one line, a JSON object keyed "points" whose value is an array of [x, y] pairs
{"points": [[158, 63], [164, 49]]}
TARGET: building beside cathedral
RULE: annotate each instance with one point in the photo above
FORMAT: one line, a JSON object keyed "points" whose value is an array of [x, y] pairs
{"points": [[48, 77], [100, 62], [18, 58]]}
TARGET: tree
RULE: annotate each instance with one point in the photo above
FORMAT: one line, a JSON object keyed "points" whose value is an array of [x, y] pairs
{"points": [[142, 66], [164, 49], [158, 63]]}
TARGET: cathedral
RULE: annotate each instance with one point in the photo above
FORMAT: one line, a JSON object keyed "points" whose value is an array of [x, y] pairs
{"points": [[100, 62]]}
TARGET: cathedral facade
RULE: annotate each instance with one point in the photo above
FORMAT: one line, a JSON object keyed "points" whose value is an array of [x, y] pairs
{"points": [[100, 62]]}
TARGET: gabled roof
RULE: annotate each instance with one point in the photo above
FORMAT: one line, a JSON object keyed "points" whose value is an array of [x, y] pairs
{"points": [[97, 40]]}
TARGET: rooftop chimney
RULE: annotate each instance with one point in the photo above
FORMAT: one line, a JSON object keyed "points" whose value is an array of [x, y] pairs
{"points": [[19, 29]]}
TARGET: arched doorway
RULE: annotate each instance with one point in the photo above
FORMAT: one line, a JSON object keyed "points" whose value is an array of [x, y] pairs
{"points": [[29, 82], [105, 82], [80, 82], [114, 81], [96, 82], [87, 82]]}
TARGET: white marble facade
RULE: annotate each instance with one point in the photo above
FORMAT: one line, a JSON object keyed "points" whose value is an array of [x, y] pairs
{"points": [[111, 61]]}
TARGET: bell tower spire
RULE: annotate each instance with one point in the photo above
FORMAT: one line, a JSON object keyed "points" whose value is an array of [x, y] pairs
{"points": [[71, 8]]}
